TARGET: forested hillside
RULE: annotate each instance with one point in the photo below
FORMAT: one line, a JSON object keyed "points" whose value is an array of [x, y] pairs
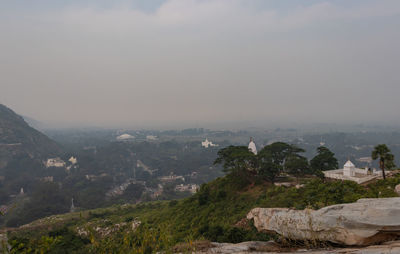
{"points": [[215, 213]]}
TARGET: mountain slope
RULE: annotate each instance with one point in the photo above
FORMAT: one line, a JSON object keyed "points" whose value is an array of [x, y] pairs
{"points": [[17, 139]]}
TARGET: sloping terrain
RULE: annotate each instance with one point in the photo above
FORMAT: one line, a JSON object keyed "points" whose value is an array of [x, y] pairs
{"points": [[215, 214], [18, 140]]}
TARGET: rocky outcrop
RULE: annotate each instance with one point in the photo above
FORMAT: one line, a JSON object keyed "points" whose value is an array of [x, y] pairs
{"points": [[270, 248], [244, 247], [365, 222], [19, 140]]}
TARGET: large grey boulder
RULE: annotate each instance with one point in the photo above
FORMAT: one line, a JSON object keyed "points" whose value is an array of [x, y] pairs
{"points": [[365, 222], [271, 248]]}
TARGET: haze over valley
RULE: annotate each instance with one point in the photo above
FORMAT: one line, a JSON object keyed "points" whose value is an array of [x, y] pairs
{"points": [[199, 126]]}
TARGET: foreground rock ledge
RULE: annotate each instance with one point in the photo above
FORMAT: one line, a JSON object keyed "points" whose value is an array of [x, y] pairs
{"points": [[368, 221], [269, 247]]}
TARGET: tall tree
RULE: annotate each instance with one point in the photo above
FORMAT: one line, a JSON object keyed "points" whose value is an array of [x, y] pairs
{"points": [[274, 158], [237, 160], [280, 151], [324, 160], [386, 159], [267, 168], [297, 165]]}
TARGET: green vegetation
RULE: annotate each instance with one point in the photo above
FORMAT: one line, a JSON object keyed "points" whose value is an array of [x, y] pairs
{"points": [[215, 213], [46, 200], [324, 160], [272, 161]]}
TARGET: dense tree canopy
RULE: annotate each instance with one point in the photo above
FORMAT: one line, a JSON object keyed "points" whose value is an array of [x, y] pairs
{"points": [[324, 160], [236, 159], [297, 165], [268, 169], [280, 151], [46, 199], [271, 161]]}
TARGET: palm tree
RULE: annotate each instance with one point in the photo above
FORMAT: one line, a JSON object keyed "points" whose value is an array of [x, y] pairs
{"points": [[386, 159]]}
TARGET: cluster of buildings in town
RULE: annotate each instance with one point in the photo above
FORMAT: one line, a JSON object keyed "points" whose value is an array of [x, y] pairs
{"points": [[120, 189], [348, 172], [192, 188], [59, 163]]}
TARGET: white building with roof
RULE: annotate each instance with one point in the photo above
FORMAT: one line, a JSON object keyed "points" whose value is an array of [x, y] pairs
{"points": [[352, 173], [206, 143], [55, 162], [349, 169]]}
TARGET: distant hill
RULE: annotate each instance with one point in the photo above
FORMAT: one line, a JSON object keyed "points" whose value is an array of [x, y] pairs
{"points": [[18, 139]]}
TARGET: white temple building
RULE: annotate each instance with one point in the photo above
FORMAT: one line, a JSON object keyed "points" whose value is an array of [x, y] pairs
{"points": [[207, 144], [350, 172], [252, 146]]}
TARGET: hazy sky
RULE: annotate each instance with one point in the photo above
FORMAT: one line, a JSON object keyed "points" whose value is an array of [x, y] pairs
{"points": [[144, 63]]}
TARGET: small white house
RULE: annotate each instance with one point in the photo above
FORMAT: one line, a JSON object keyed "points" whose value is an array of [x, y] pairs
{"points": [[207, 144], [73, 160], [55, 162]]}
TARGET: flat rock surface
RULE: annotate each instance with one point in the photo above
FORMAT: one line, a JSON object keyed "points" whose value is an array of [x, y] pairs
{"points": [[271, 247], [244, 247], [365, 222]]}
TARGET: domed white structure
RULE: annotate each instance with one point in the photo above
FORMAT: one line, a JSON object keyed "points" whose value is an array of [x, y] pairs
{"points": [[349, 169], [252, 146], [125, 137]]}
